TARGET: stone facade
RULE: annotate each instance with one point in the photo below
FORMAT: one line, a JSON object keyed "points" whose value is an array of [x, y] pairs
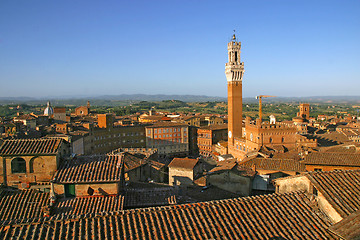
{"points": [[210, 135], [25, 170], [231, 181], [182, 171], [88, 189], [171, 139]]}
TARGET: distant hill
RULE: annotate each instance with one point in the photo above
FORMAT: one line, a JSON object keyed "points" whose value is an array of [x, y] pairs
{"points": [[108, 100], [313, 99], [125, 99]]}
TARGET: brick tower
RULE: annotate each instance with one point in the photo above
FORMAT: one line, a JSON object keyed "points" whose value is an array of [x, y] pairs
{"points": [[234, 70], [304, 110]]}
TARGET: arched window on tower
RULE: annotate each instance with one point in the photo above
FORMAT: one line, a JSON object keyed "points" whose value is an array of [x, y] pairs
{"points": [[236, 57], [18, 165]]}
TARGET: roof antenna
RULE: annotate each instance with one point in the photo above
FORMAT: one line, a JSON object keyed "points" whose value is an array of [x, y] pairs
{"points": [[234, 37]]}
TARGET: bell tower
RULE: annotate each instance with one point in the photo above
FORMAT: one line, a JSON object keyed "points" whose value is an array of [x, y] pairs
{"points": [[234, 71]]}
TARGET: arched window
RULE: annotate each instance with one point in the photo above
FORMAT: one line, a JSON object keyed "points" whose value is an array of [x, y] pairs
{"points": [[18, 165], [270, 140], [282, 139]]}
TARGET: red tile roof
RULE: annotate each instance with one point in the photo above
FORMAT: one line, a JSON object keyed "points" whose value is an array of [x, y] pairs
{"points": [[98, 168], [131, 162], [228, 165], [215, 127], [333, 159], [340, 188], [276, 216], [85, 205], [349, 227], [186, 163], [167, 124], [150, 197], [20, 205], [46, 146], [275, 164]]}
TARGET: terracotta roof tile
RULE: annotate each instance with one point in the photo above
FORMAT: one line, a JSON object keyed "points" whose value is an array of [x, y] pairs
{"points": [[150, 197], [275, 164], [47, 146], [84, 205], [263, 217], [20, 205], [340, 188], [131, 162], [215, 127], [167, 124], [349, 227], [333, 159], [186, 163], [228, 165], [98, 168]]}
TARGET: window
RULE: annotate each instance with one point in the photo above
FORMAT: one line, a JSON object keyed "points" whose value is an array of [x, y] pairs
{"points": [[270, 140], [282, 139], [69, 190], [317, 169], [18, 165], [315, 192], [155, 131]]}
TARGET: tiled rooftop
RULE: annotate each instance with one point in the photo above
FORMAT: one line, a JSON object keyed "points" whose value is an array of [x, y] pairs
{"points": [[333, 159], [131, 162], [340, 188], [275, 164], [47, 146], [167, 124], [186, 163], [97, 168], [150, 197], [344, 148], [264, 217], [349, 227], [86, 205], [228, 165], [16, 205], [215, 127]]}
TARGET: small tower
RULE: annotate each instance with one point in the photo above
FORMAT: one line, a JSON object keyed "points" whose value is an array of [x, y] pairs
{"points": [[304, 110], [234, 71]]}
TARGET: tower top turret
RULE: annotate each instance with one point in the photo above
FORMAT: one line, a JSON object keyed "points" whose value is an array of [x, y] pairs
{"points": [[234, 68]]}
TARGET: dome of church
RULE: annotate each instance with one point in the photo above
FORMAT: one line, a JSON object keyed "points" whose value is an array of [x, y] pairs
{"points": [[48, 110]]}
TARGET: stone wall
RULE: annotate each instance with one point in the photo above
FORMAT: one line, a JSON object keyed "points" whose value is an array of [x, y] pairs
{"points": [[86, 188], [38, 169], [292, 184], [231, 182], [181, 176]]}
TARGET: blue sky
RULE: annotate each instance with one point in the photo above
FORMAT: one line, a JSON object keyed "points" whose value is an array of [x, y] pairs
{"points": [[87, 48]]}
